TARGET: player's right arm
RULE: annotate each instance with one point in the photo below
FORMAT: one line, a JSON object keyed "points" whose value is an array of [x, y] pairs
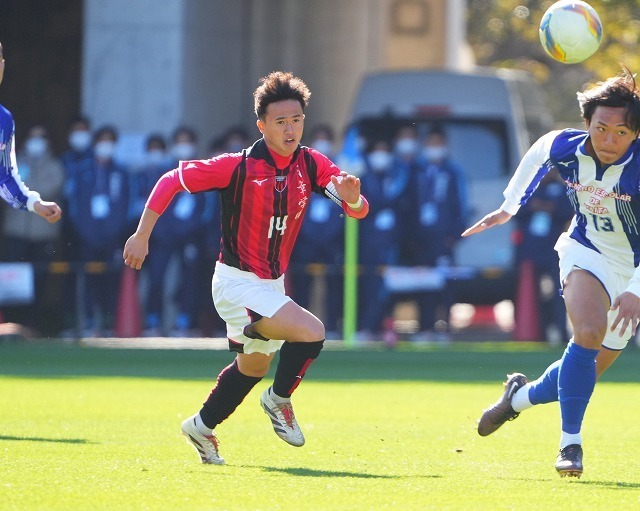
{"points": [[191, 176], [137, 246], [496, 217], [523, 183]]}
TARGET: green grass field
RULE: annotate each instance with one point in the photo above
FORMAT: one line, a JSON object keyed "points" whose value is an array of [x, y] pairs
{"points": [[90, 428]]}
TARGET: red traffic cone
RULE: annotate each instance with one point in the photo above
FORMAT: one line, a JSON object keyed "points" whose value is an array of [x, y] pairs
{"points": [[128, 313], [527, 327]]}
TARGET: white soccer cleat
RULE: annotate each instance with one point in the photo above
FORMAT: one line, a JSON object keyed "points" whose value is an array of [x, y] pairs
{"points": [[283, 420], [207, 446]]}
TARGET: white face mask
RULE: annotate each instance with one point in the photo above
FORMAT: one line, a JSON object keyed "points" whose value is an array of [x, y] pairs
{"points": [[434, 153], [379, 161], [323, 146], [80, 140], [406, 146], [183, 151], [36, 147], [155, 156], [104, 149]]}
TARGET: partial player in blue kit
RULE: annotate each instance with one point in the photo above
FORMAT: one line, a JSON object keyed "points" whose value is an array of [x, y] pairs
{"points": [[599, 255], [12, 189]]}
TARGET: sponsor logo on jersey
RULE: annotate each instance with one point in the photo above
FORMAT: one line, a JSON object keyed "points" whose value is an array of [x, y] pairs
{"points": [[280, 183]]}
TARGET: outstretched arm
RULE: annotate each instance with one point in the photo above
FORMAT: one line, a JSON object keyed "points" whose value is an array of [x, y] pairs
{"points": [[50, 211], [497, 217]]}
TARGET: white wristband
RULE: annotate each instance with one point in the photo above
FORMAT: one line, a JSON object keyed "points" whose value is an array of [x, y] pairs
{"points": [[355, 205]]}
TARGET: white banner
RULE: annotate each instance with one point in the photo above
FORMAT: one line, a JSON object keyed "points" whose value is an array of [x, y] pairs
{"points": [[406, 279], [16, 283]]}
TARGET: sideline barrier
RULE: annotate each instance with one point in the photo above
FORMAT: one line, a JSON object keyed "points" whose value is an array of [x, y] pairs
{"points": [[129, 315]]}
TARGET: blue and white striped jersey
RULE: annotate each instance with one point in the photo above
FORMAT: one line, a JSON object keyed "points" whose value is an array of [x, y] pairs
{"points": [[12, 189], [606, 200]]}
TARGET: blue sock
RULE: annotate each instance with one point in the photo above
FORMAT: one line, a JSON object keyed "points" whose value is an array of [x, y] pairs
{"points": [[576, 381], [545, 388]]}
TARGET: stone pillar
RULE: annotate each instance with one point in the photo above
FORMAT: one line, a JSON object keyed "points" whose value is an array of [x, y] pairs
{"points": [[133, 64]]}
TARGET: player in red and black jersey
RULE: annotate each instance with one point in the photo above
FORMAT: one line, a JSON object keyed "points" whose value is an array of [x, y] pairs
{"points": [[264, 194]]}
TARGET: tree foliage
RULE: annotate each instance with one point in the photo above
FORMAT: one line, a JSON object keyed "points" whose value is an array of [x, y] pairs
{"points": [[504, 33]]}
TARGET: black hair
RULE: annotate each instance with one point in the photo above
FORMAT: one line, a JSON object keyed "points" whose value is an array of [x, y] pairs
{"points": [[279, 86], [323, 128], [105, 130], [155, 139], [190, 132], [618, 92]]}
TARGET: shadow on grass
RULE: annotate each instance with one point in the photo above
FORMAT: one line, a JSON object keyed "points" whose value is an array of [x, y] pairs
{"points": [[610, 484], [40, 439], [309, 472]]}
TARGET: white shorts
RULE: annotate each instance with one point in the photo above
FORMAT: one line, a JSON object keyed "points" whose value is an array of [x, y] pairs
{"points": [[241, 297], [574, 255]]}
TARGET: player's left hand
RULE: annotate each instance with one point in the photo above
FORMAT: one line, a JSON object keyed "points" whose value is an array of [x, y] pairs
{"points": [[50, 211], [347, 186], [628, 307]]}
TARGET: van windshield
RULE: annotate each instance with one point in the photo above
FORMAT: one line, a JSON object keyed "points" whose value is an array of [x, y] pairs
{"points": [[480, 147]]}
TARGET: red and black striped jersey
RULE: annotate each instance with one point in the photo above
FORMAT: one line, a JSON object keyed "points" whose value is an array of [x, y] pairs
{"points": [[262, 205]]}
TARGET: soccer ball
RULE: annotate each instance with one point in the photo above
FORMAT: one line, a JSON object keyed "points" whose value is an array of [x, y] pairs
{"points": [[570, 32]]}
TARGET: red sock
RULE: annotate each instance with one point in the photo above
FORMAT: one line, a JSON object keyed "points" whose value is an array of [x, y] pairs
{"points": [[295, 358]]}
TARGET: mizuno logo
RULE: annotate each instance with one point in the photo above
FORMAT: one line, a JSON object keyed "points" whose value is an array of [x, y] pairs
{"points": [[259, 181], [565, 163]]}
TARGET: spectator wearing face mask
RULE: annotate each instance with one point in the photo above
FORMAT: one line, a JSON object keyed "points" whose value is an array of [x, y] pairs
{"points": [[439, 219], [540, 222], [76, 159], [380, 236], [178, 236], [236, 139], [79, 153], [143, 178], [184, 144], [405, 149], [29, 239], [98, 212], [320, 251]]}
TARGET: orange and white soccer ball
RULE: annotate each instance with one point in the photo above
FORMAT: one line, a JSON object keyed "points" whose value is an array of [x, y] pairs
{"points": [[570, 32]]}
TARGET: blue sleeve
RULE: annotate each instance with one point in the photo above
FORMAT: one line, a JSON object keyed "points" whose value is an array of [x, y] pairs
{"points": [[12, 189]]}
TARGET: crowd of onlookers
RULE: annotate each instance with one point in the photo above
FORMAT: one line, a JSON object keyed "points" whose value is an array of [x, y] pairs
{"points": [[416, 192]]}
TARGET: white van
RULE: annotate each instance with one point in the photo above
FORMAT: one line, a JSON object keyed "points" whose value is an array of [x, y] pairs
{"points": [[490, 117]]}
